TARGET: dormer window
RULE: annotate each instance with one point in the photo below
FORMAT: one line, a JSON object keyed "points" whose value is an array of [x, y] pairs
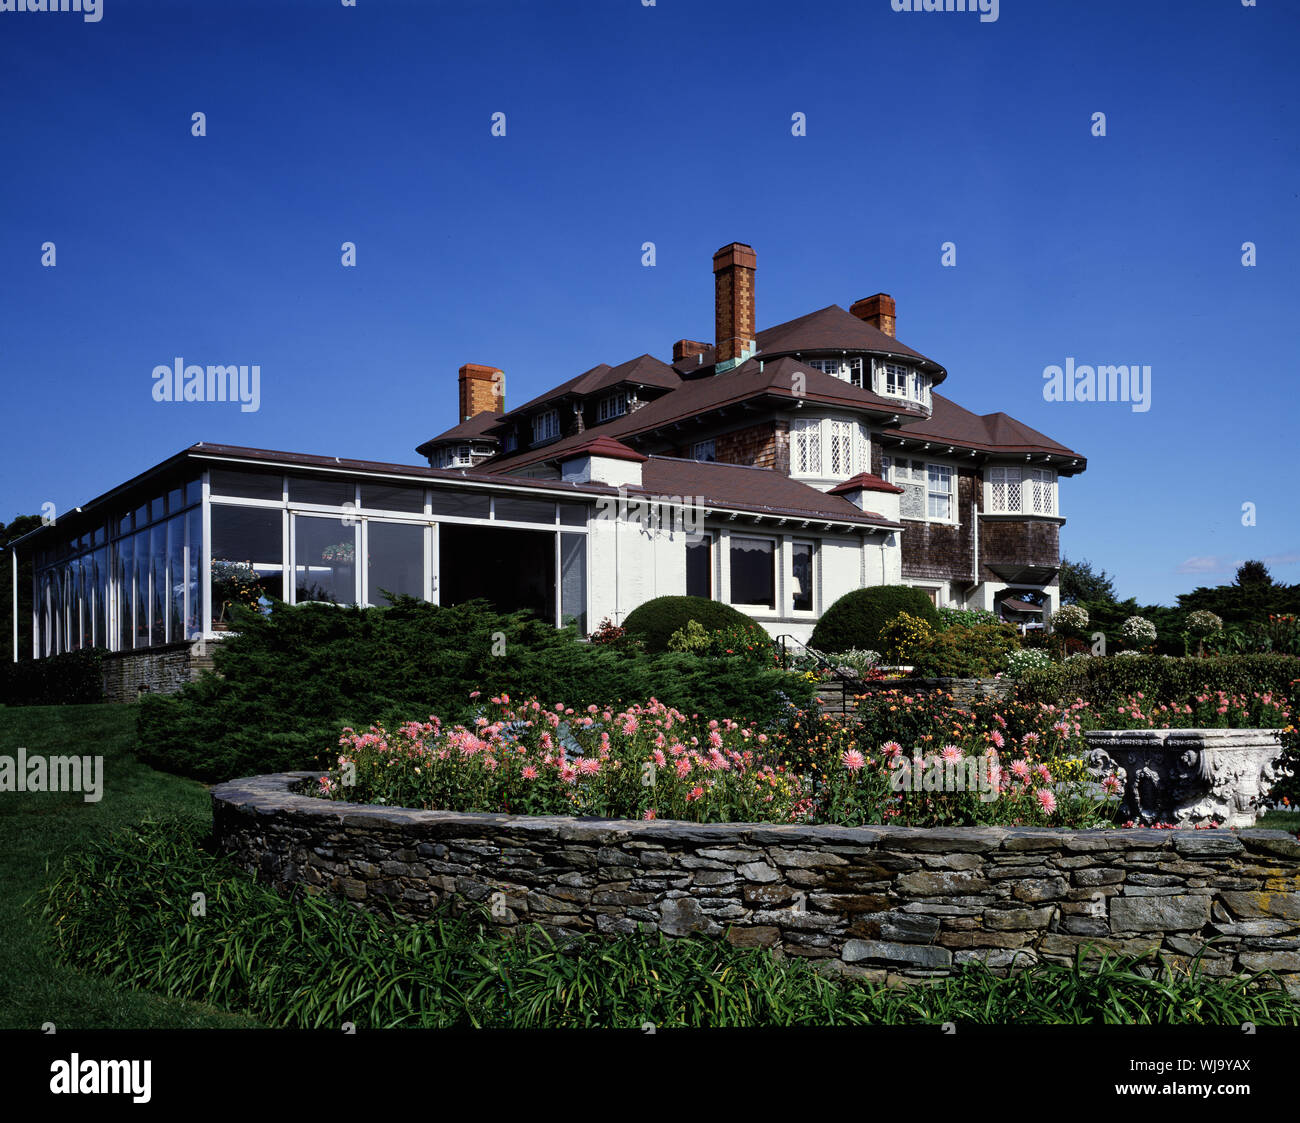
{"points": [[510, 442], [546, 426], [849, 370], [611, 406], [704, 450]]}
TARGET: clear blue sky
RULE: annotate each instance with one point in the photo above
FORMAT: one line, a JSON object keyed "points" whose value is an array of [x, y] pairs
{"points": [[670, 124]]}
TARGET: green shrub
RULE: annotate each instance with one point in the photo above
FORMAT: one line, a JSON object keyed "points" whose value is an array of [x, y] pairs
{"points": [[960, 652], [286, 684], [655, 621], [966, 617], [1028, 659], [73, 678], [1163, 680], [856, 619], [904, 637]]}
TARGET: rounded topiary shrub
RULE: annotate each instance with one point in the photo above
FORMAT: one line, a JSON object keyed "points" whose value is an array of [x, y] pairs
{"points": [[855, 620], [655, 621]]}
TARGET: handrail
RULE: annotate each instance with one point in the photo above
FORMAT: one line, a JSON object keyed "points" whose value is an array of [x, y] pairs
{"points": [[823, 660]]}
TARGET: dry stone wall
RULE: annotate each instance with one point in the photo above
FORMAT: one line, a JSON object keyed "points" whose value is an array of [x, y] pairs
{"points": [[871, 902]]}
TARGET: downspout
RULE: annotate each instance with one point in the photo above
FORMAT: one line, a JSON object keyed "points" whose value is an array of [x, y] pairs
{"points": [[14, 606]]}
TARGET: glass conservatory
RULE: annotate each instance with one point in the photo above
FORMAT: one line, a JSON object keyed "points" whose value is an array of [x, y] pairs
{"points": [[165, 558]]}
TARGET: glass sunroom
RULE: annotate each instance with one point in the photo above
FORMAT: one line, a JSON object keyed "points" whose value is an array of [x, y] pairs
{"points": [[165, 558]]}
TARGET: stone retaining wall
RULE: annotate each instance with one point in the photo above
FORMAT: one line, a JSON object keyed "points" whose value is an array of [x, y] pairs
{"points": [[836, 697], [156, 670], [871, 901]]}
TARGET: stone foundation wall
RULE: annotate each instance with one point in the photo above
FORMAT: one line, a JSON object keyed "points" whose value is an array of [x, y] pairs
{"points": [[872, 902], [158, 670]]}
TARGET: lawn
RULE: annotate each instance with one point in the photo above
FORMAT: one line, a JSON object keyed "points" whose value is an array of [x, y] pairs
{"points": [[36, 829]]}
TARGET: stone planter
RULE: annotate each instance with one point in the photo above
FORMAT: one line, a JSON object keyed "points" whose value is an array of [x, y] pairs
{"points": [[1189, 777]]}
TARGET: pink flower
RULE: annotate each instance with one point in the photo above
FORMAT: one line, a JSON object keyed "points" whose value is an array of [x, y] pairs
{"points": [[1046, 800], [715, 739], [567, 773], [1044, 774], [658, 757], [649, 814], [1111, 784], [588, 766], [695, 793], [1020, 770], [683, 767], [852, 760], [891, 748], [951, 753], [529, 772], [997, 739]]}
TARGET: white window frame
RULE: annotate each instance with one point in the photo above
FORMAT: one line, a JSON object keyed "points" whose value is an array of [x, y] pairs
{"points": [[933, 492], [1036, 487], [546, 426], [778, 567], [612, 406], [913, 385], [814, 575], [846, 370], [919, 472], [813, 441]]}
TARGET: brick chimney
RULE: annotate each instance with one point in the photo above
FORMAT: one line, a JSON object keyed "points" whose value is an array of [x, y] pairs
{"points": [[689, 348], [878, 311], [733, 276], [481, 388]]}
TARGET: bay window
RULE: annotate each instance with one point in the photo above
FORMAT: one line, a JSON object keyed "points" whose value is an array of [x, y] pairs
{"points": [[829, 448], [1020, 491]]}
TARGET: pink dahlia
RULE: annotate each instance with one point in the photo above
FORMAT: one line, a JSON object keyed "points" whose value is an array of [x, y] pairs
{"points": [[1046, 800], [852, 760]]}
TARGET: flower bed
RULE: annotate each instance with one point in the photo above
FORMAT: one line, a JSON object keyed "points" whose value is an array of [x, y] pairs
{"points": [[653, 762]]}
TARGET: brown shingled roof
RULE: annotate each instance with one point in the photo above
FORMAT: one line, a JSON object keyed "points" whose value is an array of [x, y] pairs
{"points": [[991, 432], [473, 429], [834, 329], [751, 380], [761, 490]]}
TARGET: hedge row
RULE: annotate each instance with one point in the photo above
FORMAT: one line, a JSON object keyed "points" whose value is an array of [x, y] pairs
{"points": [[1161, 679], [286, 684], [72, 678]]}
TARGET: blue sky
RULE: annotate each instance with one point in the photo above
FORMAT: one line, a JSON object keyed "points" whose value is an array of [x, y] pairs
{"points": [[670, 124]]}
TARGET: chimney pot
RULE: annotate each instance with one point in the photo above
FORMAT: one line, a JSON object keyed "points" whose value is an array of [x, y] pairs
{"points": [[878, 311]]}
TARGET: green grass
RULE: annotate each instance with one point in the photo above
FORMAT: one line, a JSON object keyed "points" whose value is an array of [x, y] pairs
{"points": [[1279, 821], [37, 829], [122, 908]]}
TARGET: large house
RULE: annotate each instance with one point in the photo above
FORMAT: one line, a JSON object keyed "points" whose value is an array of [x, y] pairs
{"points": [[774, 470]]}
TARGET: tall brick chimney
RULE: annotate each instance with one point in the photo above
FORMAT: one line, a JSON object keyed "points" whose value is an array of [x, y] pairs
{"points": [[733, 277], [877, 310], [481, 388]]}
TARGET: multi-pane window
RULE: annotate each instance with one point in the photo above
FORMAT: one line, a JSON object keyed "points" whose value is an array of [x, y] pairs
{"points": [[826, 447], [611, 406], [806, 446], [704, 450], [899, 381], [510, 442], [928, 491], [546, 425], [850, 370], [939, 495], [1016, 491], [841, 447]]}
